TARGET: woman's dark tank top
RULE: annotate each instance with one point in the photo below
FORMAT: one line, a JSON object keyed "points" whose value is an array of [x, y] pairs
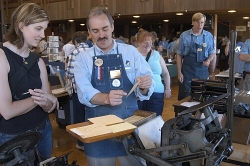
{"points": [[31, 80]]}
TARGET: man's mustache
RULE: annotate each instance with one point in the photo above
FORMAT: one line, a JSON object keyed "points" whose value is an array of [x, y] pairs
{"points": [[102, 38]]}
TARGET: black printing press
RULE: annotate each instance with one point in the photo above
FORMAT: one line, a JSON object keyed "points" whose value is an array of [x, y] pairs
{"points": [[196, 137]]}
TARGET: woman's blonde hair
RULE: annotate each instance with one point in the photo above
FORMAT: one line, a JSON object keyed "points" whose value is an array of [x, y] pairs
{"points": [[27, 13]]}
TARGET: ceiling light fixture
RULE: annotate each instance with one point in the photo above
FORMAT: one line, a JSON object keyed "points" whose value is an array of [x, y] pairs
{"points": [[136, 16], [71, 20], [134, 22], [231, 11], [166, 20], [179, 14], [245, 18], [82, 24]]}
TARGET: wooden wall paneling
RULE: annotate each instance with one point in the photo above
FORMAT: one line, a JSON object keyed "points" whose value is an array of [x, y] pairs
{"points": [[84, 8], [7, 8], [158, 6], [75, 9], [81, 9], [246, 3], [119, 7], [122, 7], [70, 9], [232, 4], [102, 2], [219, 4], [173, 6], [207, 5], [95, 3], [111, 4], [30, 1], [191, 5], [51, 11], [136, 7], [148, 6]]}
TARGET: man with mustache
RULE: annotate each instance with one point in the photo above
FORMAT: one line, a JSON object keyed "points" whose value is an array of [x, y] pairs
{"points": [[104, 76]]}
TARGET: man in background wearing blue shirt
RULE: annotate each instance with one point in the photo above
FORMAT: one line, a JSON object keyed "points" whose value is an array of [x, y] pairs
{"points": [[245, 57], [104, 75], [164, 43], [194, 55]]}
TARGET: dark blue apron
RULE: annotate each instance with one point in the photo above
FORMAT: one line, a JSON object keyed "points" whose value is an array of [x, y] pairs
{"points": [[109, 74], [193, 67]]}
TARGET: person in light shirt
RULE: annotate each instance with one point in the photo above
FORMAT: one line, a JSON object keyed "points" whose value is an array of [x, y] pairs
{"points": [[195, 55], [104, 75]]}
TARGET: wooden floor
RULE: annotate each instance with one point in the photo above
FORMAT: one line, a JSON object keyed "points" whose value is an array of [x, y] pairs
{"points": [[63, 142]]}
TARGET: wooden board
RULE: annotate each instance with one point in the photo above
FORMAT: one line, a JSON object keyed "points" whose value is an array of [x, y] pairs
{"points": [[92, 130], [92, 133], [133, 119], [116, 128], [106, 120], [97, 137]]}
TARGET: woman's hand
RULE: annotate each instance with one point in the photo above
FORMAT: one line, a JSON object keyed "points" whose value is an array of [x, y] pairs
{"points": [[54, 101], [47, 101], [167, 93]]}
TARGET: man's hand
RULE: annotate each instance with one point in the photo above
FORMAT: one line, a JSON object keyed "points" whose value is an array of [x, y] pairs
{"points": [[180, 77], [115, 97], [145, 82], [206, 62]]}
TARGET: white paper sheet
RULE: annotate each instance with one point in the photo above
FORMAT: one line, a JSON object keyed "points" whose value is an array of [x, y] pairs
{"points": [[190, 104]]}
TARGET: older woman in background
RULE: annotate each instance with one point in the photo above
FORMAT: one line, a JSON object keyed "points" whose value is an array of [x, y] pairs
{"points": [[159, 69]]}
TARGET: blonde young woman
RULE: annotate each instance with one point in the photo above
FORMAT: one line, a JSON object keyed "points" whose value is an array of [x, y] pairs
{"points": [[160, 71], [25, 108]]}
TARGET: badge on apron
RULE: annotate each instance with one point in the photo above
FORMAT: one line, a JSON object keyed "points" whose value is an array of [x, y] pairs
{"points": [[204, 44], [116, 83], [115, 74], [98, 62], [199, 49]]}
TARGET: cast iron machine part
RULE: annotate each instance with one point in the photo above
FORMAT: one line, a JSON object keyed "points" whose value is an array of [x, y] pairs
{"points": [[191, 138], [188, 137], [21, 151], [13, 152]]}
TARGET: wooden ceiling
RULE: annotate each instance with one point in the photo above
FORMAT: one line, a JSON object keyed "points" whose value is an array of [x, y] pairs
{"points": [[157, 18], [223, 16]]}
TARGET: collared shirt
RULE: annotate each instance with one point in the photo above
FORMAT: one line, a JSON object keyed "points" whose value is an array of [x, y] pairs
{"points": [[164, 44], [171, 46], [71, 64], [246, 50], [134, 64], [185, 42]]}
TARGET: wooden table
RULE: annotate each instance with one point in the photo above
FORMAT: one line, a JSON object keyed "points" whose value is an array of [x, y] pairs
{"points": [[224, 75]]}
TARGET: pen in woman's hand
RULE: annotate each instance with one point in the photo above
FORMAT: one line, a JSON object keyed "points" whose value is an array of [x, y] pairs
{"points": [[25, 93]]}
